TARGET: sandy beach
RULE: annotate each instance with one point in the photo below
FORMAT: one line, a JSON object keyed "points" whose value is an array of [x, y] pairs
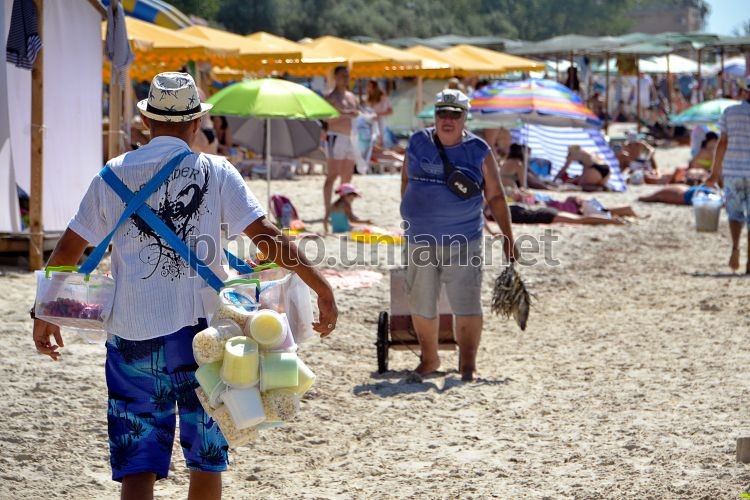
{"points": [[631, 381]]}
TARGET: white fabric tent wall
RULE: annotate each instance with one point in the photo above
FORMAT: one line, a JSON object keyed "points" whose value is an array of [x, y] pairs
{"points": [[72, 108]]}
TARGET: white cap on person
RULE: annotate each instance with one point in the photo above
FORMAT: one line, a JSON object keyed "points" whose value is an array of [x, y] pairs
{"points": [[452, 99]]}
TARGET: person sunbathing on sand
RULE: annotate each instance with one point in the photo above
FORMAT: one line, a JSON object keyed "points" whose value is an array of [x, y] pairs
{"points": [[675, 194], [596, 171]]}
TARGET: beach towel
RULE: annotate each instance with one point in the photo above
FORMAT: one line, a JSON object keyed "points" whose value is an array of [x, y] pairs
{"points": [[24, 42], [117, 46], [351, 280]]}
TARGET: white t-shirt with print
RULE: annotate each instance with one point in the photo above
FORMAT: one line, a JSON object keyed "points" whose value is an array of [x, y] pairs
{"points": [[157, 292]]}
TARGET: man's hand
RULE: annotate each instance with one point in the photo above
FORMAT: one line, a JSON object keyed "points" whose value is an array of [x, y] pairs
{"points": [[328, 315], [42, 333]]}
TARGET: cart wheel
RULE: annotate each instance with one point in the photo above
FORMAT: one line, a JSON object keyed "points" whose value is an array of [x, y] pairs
{"points": [[382, 342]]}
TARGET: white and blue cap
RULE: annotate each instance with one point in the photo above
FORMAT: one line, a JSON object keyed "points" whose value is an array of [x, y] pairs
{"points": [[452, 99], [744, 83]]}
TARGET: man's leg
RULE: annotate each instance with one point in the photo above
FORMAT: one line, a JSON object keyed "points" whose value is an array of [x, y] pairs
{"points": [[204, 485], [735, 229], [468, 334], [138, 486], [427, 333]]}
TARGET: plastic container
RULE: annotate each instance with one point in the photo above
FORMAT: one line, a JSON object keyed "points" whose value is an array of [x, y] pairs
{"points": [[245, 407], [235, 437], [278, 370], [285, 292], [267, 327], [288, 344], [240, 367], [209, 378], [707, 209], [306, 378], [208, 344], [73, 300], [238, 301], [280, 405]]}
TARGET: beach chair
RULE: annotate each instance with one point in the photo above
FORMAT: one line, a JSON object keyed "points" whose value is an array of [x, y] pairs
{"points": [[395, 329]]}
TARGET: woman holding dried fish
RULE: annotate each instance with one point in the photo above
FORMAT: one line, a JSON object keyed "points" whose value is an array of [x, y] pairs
{"points": [[447, 175]]}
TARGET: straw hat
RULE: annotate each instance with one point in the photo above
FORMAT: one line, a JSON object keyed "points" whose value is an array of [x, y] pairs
{"points": [[173, 97]]}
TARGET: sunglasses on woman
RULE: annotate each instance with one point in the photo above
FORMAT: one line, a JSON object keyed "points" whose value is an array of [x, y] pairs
{"points": [[445, 114]]}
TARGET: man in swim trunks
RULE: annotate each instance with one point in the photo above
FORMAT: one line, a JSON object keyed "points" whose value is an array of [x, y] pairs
{"points": [[339, 144], [150, 367]]}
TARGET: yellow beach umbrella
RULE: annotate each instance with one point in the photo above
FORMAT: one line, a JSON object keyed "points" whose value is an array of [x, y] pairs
{"points": [[425, 67], [253, 55], [461, 66], [501, 62], [312, 63], [364, 62]]}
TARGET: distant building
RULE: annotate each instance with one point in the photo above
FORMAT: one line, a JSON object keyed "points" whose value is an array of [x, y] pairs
{"points": [[663, 18]]}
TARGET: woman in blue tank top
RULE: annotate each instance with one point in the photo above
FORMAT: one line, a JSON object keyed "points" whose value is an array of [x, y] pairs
{"points": [[444, 227]]}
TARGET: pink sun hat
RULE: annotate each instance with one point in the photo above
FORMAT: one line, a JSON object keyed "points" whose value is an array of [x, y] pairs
{"points": [[345, 189]]}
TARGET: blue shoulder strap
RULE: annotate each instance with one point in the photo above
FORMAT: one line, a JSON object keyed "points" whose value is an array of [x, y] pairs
{"points": [[179, 246], [130, 208], [238, 264]]}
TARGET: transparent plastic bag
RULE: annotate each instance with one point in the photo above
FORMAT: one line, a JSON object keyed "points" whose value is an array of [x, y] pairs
{"points": [[80, 302]]}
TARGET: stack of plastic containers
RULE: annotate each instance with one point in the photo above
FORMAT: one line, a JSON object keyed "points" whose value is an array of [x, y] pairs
{"points": [[249, 373]]}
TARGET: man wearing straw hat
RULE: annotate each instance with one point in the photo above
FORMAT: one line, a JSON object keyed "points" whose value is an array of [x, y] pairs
{"points": [[732, 165], [150, 367], [447, 175]]}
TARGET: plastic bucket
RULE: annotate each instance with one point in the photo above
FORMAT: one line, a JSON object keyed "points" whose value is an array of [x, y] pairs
{"points": [[707, 209]]}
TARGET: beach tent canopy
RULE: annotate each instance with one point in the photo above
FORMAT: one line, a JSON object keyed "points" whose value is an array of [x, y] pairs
{"points": [[656, 65], [499, 61], [155, 11], [565, 45], [311, 64], [643, 48], [551, 143], [72, 126], [153, 44], [425, 66], [461, 66], [364, 62], [253, 55]]}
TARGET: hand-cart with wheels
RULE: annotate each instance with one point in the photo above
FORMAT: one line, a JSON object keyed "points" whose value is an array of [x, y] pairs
{"points": [[395, 329]]}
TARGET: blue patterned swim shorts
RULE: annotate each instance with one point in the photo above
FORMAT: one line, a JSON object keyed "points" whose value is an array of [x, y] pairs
{"points": [[148, 381], [737, 193]]}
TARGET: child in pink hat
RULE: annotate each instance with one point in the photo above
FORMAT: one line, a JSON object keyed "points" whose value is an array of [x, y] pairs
{"points": [[342, 215]]}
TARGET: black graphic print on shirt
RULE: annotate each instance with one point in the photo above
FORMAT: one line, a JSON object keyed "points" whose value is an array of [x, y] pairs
{"points": [[180, 212]]}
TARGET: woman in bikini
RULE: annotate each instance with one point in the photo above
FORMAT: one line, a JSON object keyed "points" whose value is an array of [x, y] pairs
{"points": [[595, 173]]}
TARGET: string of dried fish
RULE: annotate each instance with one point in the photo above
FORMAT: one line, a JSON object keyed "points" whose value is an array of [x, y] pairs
{"points": [[510, 296]]}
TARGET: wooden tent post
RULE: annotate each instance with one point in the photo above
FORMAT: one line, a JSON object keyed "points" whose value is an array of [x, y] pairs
{"points": [[420, 95], [36, 227], [637, 94], [669, 86], [700, 83], [115, 103], [606, 92], [721, 74]]}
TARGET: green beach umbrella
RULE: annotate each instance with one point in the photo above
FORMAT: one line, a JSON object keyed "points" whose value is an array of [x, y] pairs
{"points": [[270, 99], [703, 113]]}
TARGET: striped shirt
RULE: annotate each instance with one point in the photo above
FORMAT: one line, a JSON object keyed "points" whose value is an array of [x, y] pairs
{"points": [[156, 292], [735, 122]]}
